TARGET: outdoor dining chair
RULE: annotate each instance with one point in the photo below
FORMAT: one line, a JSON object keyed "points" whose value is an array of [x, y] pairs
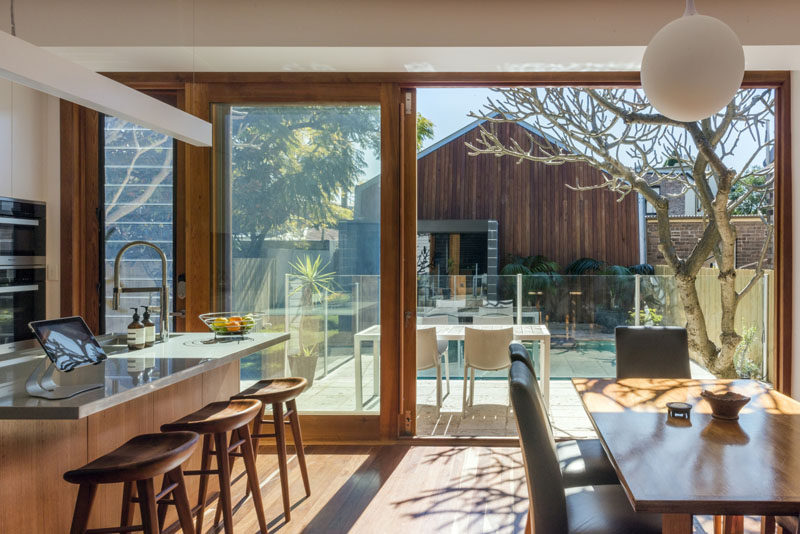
{"points": [[485, 350], [429, 356], [589, 509], [652, 352]]}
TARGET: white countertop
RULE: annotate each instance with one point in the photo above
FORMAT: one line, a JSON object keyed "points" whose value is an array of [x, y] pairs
{"points": [[127, 375]]}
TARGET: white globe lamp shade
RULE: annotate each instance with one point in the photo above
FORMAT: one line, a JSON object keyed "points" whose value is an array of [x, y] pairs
{"points": [[692, 67]]}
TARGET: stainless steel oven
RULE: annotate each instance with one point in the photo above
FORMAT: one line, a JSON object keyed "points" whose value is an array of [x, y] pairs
{"points": [[22, 233], [22, 300]]}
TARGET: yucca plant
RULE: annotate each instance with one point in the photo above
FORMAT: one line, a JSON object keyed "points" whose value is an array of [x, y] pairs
{"points": [[314, 281]]}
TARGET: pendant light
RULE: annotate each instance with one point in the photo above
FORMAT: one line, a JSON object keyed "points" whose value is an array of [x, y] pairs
{"points": [[692, 67], [32, 66]]}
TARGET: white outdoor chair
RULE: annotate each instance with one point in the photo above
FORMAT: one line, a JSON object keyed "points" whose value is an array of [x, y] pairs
{"points": [[492, 319], [486, 350], [429, 355], [437, 319]]}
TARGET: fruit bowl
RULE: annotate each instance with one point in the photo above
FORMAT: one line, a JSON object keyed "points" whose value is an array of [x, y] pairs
{"points": [[225, 324]]}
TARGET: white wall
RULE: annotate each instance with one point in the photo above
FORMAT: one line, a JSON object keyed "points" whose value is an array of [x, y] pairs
{"points": [[30, 164]]}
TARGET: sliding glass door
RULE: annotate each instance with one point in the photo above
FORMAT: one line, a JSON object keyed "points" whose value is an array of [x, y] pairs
{"points": [[297, 206]]}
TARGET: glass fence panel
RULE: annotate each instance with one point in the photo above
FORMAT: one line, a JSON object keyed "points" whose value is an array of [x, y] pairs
{"points": [[582, 312]]}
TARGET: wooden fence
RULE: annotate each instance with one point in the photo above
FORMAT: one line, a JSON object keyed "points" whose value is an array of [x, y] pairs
{"points": [[750, 313]]}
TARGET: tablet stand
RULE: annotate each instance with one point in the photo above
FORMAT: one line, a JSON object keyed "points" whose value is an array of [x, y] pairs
{"points": [[40, 383]]}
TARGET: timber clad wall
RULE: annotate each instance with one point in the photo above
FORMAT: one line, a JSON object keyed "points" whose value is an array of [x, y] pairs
{"points": [[750, 235], [536, 212]]}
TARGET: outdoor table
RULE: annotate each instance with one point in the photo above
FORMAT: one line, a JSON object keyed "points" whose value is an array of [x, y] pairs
{"points": [[700, 466], [526, 332]]}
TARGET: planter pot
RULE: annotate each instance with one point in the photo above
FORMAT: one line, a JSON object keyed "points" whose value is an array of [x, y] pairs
{"points": [[305, 366]]}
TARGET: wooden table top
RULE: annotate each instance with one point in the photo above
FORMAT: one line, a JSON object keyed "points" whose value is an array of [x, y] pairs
{"points": [[704, 465]]}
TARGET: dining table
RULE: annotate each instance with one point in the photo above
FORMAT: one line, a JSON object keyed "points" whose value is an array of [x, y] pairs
{"points": [[701, 465], [449, 332]]}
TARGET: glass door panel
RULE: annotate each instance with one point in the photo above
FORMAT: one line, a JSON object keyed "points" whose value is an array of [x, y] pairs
{"points": [[298, 239]]}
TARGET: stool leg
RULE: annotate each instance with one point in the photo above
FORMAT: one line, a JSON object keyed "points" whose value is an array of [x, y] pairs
{"points": [[128, 493], [294, 421], [252, 476], [256, 431], [147, 505], [182, 501], [280, 438], [162, 507], [218, 513], [205, 463], [224, 467], [83, 505]]}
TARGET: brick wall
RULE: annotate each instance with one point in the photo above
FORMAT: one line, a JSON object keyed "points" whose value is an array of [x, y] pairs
{"points": [[750, 234]]}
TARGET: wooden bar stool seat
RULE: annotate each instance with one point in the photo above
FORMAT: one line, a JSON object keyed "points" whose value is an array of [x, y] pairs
{"points": [[214, 421], [277, 392], [138, 461]]}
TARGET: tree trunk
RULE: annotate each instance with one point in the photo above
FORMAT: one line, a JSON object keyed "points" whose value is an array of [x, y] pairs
{"points": [[699, 343]]}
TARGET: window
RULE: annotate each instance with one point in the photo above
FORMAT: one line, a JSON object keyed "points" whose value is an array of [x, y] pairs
{"points": [[649, 208], [138, 204]]}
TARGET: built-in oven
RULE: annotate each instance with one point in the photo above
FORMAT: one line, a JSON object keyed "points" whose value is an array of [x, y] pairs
{"points": [[22, 300], [22, 233]]}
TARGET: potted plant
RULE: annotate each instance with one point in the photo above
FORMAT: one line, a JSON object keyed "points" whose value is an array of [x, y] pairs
{"points": [[314, 283]]}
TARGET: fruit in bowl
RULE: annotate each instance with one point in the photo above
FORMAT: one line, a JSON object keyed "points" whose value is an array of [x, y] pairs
{"points": [[232, 323]]}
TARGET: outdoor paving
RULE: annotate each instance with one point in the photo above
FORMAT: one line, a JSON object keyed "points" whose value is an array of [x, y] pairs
{"points": [[490, 414]]}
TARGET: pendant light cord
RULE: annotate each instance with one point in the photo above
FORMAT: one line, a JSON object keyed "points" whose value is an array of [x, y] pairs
{"points": [[690, 9], [13, 21]]}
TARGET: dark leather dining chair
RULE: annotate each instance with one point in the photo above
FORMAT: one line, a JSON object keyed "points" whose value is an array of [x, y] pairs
{"points": [[583, 462], [593, 509], [652, 352]]}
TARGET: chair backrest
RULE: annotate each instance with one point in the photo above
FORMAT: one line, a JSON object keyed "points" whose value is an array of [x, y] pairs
{"points": [[652, 352], [487, 348], [434, 319], [492, 319], [548, 508], [518, 353], [427, 348]]}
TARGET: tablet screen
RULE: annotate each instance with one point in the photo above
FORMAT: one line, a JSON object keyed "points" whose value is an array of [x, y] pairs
{"points": [[68, 342]]}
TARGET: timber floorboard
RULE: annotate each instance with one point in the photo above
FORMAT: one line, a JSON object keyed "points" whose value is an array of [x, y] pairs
{"points": [[383, 489], [391, 488]]}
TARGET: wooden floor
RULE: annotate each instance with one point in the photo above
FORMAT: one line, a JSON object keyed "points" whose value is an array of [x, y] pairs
{"points": [[393, 488], [399, 488]]}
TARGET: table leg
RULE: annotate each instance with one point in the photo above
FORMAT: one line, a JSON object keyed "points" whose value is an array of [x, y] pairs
{"points": [[357, 359], [733, 524], [545, 346], [768, 524], [376, 358], [676, 524]]}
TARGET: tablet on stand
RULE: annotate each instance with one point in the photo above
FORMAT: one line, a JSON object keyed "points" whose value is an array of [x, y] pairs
{"points": [[68, 344]]}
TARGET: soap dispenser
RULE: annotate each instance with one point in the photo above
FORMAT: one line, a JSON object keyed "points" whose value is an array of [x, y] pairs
{"points": [[149, 328], [135, 332]]}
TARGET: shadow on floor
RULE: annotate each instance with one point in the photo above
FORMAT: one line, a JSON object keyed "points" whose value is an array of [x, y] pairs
{"points": [[357, 493]]}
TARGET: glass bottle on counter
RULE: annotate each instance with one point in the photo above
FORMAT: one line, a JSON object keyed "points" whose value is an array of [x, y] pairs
{"points": [[136, 332], [149, 328]]}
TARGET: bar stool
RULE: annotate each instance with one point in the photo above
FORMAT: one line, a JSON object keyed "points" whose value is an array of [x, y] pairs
{"points": [[214, 421], [139, 460], [277, 392]]}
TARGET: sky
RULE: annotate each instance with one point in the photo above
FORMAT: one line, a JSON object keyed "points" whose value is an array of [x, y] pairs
{"points": [[447, 108]]}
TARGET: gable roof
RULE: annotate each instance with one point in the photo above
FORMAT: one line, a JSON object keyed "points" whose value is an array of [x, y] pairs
{"points": [[471, 126]]}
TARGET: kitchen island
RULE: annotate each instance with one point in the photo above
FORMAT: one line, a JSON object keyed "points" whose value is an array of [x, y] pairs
{"points": [[41, 439]]}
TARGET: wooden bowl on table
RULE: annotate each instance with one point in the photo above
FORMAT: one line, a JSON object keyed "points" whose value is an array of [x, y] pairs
{"points": [[725, 406]]}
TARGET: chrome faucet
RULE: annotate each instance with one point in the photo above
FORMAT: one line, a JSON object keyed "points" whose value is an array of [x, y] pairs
{"points": [[163, 290]]}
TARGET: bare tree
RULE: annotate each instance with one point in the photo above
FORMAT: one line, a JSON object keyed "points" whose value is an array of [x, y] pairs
{"points": [[619, 133]]}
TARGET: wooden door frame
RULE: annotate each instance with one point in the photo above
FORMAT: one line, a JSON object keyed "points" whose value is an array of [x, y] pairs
{"points": [[778, 80]]}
